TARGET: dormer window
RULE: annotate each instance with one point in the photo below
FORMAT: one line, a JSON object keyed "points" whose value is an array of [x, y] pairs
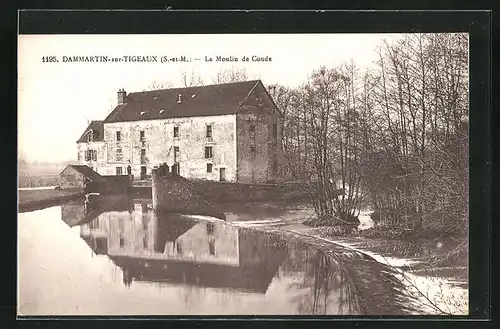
{"points": [[90, 136]]}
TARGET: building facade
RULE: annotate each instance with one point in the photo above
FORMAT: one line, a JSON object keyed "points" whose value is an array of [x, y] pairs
{"points": [[75, 177], [228, 132], [91, 148]]}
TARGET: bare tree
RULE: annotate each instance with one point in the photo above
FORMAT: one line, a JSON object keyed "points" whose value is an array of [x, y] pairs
{"points": [[155, 85], [420, 178], [231, 75], [330, 118], [191, 79], [294, 137], [397, 134]]}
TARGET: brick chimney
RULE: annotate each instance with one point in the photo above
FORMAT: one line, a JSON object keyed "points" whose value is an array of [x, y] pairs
{"points": [[122, 94]]}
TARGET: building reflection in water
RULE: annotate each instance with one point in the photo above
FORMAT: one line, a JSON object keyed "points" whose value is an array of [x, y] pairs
{"points": [[176, 249]]}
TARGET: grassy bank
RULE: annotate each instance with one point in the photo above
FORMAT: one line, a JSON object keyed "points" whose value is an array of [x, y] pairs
{"points": [[438, 246], [30, 200], [436, 252], [434, 265]]}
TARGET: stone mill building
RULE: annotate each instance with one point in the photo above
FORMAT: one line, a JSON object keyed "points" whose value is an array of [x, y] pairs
{"points": [[227, 132]]}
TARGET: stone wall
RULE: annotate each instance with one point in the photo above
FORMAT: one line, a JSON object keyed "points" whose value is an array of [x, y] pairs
{"points": [[259, 145], [238, 192], [159, 143], [171, 193], [110, 185], [100, 164], [70, 178], [175, 194]]}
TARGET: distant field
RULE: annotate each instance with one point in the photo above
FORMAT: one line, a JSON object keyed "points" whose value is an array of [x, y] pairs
{"points": [[38, 180], [37, 199], [39, 174]]}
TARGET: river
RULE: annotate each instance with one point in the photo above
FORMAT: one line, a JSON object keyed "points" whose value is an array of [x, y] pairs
{"points": [[118, 257]]}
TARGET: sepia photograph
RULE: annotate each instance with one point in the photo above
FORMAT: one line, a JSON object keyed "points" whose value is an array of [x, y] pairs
{"points": [[243, 174]]}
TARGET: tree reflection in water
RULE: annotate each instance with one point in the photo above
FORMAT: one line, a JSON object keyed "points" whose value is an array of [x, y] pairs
{"points": [[346, 282], [174, 249], [324, 284]]}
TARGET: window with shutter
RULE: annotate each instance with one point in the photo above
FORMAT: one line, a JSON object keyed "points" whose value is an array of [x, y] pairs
{"points": [[208, 152]]}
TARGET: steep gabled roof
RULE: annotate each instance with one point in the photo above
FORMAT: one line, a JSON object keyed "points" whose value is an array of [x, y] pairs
{"points": [[87, 172], [96, 125], [169, 229], [256, 278], [195, 101], [98, 244]]}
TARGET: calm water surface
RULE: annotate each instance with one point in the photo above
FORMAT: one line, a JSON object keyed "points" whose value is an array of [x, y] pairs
{"points": [[117, 257]]}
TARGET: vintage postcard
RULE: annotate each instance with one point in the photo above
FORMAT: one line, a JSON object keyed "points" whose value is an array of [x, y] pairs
{"points": [[243, 174]]}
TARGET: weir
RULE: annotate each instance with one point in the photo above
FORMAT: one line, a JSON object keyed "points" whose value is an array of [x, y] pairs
{"points": [[172, 193]]}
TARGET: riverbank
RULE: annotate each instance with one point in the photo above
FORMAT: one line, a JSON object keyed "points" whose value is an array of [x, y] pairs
{"points": [[35, 199], [434, 269], [435, 251], [426, 264]]}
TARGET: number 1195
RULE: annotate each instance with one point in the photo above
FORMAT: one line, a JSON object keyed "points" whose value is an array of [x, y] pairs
{"points": [[49, 59]]}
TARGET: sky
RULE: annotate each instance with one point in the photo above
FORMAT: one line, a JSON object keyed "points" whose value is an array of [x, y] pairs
{"points": [[56, 99]]}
